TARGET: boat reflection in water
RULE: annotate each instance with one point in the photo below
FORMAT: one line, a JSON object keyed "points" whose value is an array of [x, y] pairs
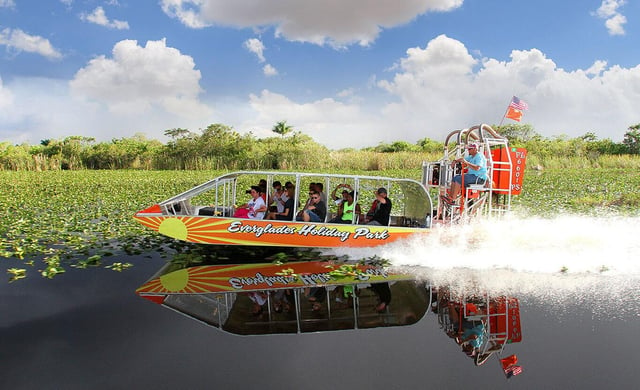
{"points": [[481, 324], [331, 294], [292, 297]]}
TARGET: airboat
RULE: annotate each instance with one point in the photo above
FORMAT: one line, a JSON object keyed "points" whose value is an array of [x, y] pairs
{"points": [[207, 213]]}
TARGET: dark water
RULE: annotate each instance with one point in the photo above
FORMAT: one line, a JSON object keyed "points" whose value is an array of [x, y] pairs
{"points": [[88, 329]]}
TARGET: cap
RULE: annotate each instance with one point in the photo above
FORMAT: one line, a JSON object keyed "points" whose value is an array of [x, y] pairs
{"points": [[382, 190], [472, 145], [345, 191]]}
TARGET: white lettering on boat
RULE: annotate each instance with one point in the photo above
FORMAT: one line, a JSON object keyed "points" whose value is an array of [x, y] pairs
{"points": [[368, 234], [307, 230], [324, 231], [239, 283], [238, 227]]}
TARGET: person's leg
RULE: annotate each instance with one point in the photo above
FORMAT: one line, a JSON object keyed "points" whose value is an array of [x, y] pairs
{"points": [[454, 191]]}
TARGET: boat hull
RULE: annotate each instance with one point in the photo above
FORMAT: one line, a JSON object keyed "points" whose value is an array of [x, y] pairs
{"points": [[234, 231]]}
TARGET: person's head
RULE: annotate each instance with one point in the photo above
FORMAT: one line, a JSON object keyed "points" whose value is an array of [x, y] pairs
{"points": [[277, 185], [315, 196], [319, 187], [288, 184], [254, 191], [382, 192], [349, 196], [344, 194], [312, 187], [291, 191], [472, 148]]}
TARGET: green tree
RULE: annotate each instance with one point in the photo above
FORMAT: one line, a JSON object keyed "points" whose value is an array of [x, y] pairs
{"points": [[632, 139], [517, 133], [282, 128]]}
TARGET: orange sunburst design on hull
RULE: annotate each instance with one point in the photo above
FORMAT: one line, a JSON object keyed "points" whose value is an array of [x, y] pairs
{"points": [[194, 280]]}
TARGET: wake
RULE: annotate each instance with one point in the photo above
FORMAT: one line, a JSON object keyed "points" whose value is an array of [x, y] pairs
{"points": [[568, 258]]}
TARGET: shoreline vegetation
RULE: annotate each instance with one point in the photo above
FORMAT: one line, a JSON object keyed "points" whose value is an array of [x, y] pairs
{"points": [[219, 147]]}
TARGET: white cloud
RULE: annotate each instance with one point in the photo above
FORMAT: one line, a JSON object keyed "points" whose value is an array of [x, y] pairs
{"points": [[137, 78], [7, 4], [256, 47], [432, 90], [615, 21], [337, 23], [441, 87], [269, 70], [99, 17], [187, 11], [18, 40]]}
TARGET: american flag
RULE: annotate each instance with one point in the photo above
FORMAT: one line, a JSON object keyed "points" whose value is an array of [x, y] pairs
{"points": [[518, 104]]}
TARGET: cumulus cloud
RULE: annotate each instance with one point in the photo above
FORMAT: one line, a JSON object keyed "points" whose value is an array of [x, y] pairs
{"points": [[338, 23], [614, 20], [18, 40], [269, 70], [99, 17], [432, 89], [137, 78], [255, 46], [442, 87], [7, 4]]}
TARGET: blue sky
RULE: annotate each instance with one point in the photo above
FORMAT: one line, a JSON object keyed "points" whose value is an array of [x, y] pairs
{"points": [[349, 74]]}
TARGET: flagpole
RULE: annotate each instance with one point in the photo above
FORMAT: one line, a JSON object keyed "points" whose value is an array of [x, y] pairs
{"points": [[505, 111]]}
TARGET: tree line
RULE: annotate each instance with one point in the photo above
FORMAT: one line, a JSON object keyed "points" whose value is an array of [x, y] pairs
{"points": [[220, 147]]}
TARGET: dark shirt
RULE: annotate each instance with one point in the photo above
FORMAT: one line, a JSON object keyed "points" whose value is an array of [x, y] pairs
{"points": [[320, 210], [383, 211], [288, 207]]}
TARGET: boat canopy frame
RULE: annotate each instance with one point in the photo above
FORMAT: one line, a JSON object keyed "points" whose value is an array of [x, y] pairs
{"points": [[412, 203]]}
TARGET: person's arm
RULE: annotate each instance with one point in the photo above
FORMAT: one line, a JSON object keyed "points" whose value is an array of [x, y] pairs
{"points": [[381, 199]]}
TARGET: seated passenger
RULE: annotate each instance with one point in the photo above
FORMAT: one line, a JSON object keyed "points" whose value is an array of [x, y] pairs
{"points": [[380, 210], [314, 212], [279, 197], [346, 209], [253, 209], [345, 190], [287, 212]]}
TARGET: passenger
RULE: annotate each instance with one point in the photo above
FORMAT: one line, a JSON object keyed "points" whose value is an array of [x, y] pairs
{"points": [[320, 188], [383, 291], [346, 209], [346, 188], [287, 213], [316, 211], [282, 300], [259, 298], [263, 185], [316, 295], [255, 208], [380, 209], [476, 173], [277, 198], [312, 189]]}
